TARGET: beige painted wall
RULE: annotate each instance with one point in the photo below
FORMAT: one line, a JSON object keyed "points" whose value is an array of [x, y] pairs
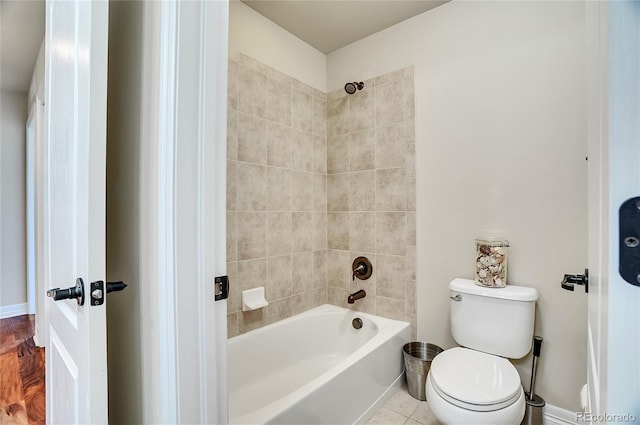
{"points": [[256, 36], [124, 111], [500, 150], [13, 266]]}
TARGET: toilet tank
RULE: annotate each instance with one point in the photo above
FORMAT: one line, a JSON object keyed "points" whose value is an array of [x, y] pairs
{"points": [[493, 320]]}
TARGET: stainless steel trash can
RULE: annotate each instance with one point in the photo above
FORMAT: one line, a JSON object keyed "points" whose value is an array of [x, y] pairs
{"points": [[417, 362]]}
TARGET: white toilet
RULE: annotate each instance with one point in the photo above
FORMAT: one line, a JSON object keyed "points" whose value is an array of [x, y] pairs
{"points": [[475, 383]]}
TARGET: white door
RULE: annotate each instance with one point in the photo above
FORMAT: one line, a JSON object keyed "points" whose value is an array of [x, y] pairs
{"points": [[75, 104], [614, 177]]}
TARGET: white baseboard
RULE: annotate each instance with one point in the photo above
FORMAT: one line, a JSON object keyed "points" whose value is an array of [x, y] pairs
{"points": [[13, 310], [554, 415]]}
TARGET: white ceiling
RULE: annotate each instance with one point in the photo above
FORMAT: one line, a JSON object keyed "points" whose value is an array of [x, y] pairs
{"points": [[329, 25], [21, 33]]}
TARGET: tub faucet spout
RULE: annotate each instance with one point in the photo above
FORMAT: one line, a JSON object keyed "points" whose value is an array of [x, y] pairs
{"points": [[356, 296]]}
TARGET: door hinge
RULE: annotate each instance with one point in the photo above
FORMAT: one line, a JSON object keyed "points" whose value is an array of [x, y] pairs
{"points": [[221, 288], [629, 262]]}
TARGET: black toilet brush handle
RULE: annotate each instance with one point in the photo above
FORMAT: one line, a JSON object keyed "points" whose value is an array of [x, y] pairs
{"points": [[537, 344]]}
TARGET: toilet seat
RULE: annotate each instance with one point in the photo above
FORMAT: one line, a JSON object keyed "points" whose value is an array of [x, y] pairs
{"points": [[474, 380]]}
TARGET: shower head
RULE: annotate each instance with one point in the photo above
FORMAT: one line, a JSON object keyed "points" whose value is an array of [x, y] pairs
{"points": [[351, 88]]}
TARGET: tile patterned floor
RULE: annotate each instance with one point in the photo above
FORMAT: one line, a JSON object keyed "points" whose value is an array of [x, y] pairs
{"points": [[22, 389], [402, 409]]}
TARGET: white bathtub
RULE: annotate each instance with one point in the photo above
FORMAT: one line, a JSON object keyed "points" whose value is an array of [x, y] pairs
{"points": [[315, 368]]}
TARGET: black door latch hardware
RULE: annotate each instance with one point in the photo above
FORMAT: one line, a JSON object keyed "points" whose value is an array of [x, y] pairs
{"points": [[221, 288], [97, 290], [570, 280]]}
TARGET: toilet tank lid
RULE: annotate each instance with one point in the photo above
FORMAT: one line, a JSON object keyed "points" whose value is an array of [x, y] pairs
{"points": [[509, 292]]}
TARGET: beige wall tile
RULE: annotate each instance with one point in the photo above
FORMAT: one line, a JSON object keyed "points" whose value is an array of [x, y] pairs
{"points": [[338, 192], [274, 74], [320, 192], [302, 231], [252, 93], [362, 231], [308, 300], [319, 231], [338, 230], [279, 277], [390, 77], [232, 236], [279, 237], [252, 139], [362, 150], [319, 94], [338, 154], [278, 145], [302, 191], [338, 296], [252, 238], [301, 151], [410, 159], [252, 274], [232, 134], [390, 280], [232, 86], [250, 320], [338, 269], [278, 189], [278, 310], [411, 193], [410, 297], [411, 228], [390, 308], [252, 187], [232, 325], [247, 62], [301, 272], [410, 126], [410, 263], [362, 191], [233, 302], [389, 103], [336, 94], [337, 116], [301, 111], [232, 184], [319, 118], [319, 154], [300, 86], [390, 147], [279, 101], [320, 269], [390, 190], [409, 93], [390, 233], [361, 110]]}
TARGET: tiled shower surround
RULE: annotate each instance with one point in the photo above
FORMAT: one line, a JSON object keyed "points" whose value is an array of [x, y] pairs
{"points": [[313, 181]]}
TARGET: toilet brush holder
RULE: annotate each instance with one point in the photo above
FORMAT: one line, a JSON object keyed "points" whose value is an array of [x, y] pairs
{"points": [[534, 411]]}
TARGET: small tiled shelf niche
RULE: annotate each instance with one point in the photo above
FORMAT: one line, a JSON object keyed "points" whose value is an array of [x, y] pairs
{"points": [[313, 181]]}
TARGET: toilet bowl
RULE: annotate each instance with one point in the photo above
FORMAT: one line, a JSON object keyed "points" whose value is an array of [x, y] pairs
{"points": [[476, 383], [470, 387]]}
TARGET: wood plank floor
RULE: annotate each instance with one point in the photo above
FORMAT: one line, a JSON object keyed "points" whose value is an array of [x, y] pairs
{"points": [[22, 389]]}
